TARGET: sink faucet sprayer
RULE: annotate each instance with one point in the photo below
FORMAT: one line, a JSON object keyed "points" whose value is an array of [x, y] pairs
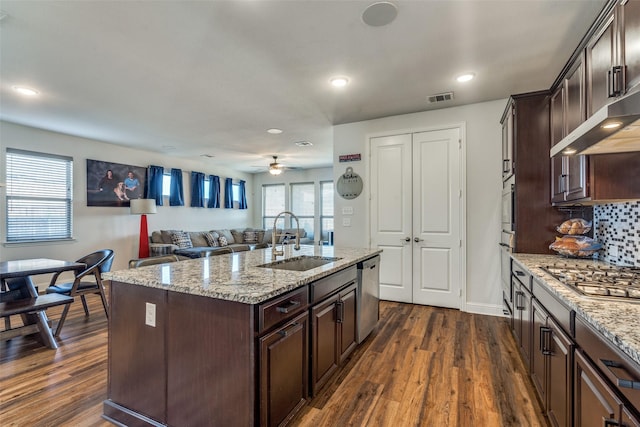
{"points": [[274, 250]]}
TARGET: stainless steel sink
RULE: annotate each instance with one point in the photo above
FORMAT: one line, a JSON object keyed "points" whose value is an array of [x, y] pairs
{"points": [[300, 263]]}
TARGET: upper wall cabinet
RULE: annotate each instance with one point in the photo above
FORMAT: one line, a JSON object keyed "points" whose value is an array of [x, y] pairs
{"points": [[613, 56], [629, 18]]}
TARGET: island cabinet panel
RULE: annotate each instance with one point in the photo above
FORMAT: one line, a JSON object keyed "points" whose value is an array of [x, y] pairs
{"points": [[137, 358], [324, 342], [211, 364], [347, 319], [284, 371]]}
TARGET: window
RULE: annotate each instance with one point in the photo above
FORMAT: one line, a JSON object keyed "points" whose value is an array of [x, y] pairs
{"points": [[326, 211], [272, 203], [303, 205], [39, 196], [236, 192], [166, 184]]}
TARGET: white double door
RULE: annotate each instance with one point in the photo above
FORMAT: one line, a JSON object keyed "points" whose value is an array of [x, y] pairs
{"points": [[416, 216]]}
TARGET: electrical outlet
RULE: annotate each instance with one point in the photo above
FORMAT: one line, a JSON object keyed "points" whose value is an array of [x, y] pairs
{"points": [[346, 222], [613, 251], [150, 315], [347, 210]]}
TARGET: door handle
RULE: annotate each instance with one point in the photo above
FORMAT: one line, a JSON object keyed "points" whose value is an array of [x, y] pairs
{"points": [[407, 239], [415, 239]]}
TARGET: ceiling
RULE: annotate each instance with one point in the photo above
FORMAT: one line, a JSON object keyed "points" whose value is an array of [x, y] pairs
{"points": [[193, 78]]}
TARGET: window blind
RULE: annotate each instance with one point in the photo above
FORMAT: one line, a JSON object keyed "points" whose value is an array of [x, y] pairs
{"points": [[39, 196]]}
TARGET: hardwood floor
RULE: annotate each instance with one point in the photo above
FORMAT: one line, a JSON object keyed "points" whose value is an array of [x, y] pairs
{"points": [[422, 366]]}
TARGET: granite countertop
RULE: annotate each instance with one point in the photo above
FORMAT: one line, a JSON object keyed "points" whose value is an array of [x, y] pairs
{"points": [[618, 322], [236, 277]]}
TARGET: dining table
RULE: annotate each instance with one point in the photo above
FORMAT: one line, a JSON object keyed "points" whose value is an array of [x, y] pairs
{"points": [[32, 267]]}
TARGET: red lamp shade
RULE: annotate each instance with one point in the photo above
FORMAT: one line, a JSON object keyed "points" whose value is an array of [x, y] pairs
{"points": [[143, 207]]}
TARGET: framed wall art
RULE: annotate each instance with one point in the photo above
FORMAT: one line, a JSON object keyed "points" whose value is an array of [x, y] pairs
{"points": [[114, 184]]}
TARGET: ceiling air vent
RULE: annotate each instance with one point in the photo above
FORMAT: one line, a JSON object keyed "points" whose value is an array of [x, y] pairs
{"points": [[440, 97]]}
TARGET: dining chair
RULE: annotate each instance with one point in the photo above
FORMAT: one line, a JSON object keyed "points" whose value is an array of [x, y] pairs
{"points": [[97, 263]]}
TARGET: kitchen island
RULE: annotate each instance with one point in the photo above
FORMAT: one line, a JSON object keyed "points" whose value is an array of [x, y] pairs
{"points": [[227, 341]]}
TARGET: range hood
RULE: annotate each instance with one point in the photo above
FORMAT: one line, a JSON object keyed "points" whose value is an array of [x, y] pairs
{"points": [[615, 128]]}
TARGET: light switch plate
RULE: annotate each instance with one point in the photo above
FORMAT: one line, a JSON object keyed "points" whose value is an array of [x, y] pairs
{"points": [[150, 314], [346, 222], [347, 210]]}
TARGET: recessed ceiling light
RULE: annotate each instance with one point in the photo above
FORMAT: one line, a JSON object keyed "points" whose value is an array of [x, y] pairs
{"points": [[274, 131], [339, 81], [26, 91], [611, 125], [379, 14], [304, 144], [465, 77]]}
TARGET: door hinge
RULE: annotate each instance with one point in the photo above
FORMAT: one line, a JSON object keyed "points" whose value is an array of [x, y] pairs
{"points": [[460, 144], [460, 194], [460, 243], [459, 292]]}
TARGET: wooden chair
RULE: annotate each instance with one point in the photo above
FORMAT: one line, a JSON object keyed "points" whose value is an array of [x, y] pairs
{"points": [[97, 263]]}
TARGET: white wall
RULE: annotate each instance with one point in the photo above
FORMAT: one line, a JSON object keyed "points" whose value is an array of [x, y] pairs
{"points": [[483, 189], [287, 177], [112, 227]]}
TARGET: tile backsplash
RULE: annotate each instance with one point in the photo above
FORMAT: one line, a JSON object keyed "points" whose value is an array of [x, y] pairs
{"points": [[617, 227]]}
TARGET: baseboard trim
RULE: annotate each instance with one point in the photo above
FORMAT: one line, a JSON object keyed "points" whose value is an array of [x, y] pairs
{"points": [[486, 309]]}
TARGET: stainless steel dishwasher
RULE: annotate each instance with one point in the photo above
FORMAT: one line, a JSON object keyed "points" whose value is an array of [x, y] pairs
{"points": [[368, 296]]}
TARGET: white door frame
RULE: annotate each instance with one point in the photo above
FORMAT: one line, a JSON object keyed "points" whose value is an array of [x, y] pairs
{"points": [[463, 185]]}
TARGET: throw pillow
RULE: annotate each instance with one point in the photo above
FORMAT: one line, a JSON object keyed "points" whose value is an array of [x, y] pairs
{"points": [[181, 239], [227, 235], [237, 236], [223, 241], [250, 236], [212, 240]]}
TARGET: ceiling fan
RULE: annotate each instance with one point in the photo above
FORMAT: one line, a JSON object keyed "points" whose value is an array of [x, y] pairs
{"points": [[275, 168]]}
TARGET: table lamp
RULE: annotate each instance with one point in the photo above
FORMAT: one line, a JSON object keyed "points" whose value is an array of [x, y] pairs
{"points": [[143, 207]]}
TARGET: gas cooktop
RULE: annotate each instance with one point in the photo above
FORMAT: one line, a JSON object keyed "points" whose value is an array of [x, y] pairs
{"points": [[618, 283]]}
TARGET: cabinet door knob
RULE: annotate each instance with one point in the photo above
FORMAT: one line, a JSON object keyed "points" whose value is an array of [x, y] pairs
{"points": [[416, 239], [407, 239]]}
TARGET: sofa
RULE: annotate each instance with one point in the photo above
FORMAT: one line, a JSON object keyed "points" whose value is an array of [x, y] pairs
{"points": [[198, 244]]}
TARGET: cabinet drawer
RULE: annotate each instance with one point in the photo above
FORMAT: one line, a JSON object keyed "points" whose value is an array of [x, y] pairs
{"points": [[560, 313], [282, 308], [521, 273], [328, 285], [618, 368]]}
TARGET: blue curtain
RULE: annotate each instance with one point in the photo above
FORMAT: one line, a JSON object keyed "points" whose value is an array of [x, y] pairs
{"points": [[214, 192], [228, 193], [243, 196], [176, 195], [197, 190], [153, 187]]}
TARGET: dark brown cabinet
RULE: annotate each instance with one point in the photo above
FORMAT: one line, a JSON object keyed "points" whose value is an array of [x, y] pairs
{"points": [[595, 403], [507, 141], [284, 371], [533, 216], [333, 334], [602, 59], [612, 56], [521, 281], [567, 112], [629, 13], [551, 366]]}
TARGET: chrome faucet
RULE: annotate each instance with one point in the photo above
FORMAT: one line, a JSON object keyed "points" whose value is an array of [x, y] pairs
{"points": [[274, 249]]}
